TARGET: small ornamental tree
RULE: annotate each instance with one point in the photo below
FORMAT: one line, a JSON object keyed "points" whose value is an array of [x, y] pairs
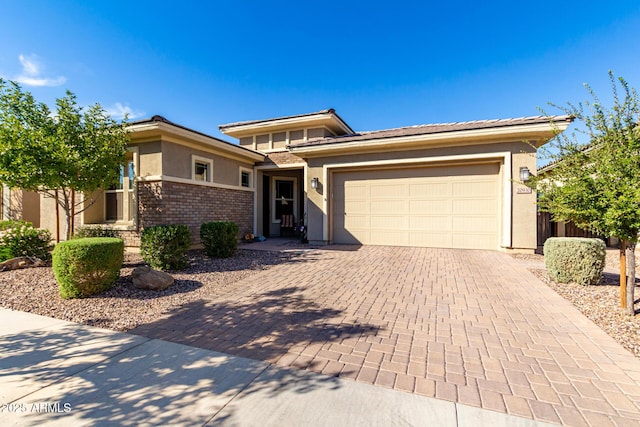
{"points": [[70, 151], [596, 184]]}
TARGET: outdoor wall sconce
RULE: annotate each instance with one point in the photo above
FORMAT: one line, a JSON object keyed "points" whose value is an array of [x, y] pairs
{"points": [[525, 174], [314, 183]]}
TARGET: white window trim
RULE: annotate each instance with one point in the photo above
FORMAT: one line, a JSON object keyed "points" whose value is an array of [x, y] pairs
{"points": [[275, 220], [125, 193], [250, 172], [200, 159]]}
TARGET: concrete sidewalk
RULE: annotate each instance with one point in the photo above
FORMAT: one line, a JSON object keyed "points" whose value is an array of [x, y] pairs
{"points": [[54, 372]]}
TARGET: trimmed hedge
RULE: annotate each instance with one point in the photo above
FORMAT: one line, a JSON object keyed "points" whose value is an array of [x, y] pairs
{"points": [[21, 238], [94, 231], [165, 246], [220, 239], [575, 259], [88, 266]]}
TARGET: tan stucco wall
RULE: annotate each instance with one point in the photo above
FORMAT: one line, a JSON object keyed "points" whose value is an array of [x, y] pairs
{"points": [[177, 162], [31, 207], [95, 213], [150, 161], [523, 224], [20, 204]]}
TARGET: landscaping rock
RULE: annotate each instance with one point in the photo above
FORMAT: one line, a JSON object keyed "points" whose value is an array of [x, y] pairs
{"points": [[149, 279], [21, 262]]}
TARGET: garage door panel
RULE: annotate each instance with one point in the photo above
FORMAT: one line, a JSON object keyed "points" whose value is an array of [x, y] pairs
{"points": [[431, 189], [389, 222], [357, 190], [429, 223], [472, 241], [448, 207], [389, 238], [359, 207], [393, 206], [469, 188], [432, 239], [471, 224], [387, 190], [462, 206], [357, 221], [433, 206]]}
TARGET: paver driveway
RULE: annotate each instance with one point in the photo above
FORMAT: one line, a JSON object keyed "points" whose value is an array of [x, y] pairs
{"points": [[468, 326]]}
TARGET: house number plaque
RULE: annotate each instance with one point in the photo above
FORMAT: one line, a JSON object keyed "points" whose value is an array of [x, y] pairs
{"points": [[524, 190]]}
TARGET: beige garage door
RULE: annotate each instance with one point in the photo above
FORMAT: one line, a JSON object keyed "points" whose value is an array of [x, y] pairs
{"points": [[445, 207]]}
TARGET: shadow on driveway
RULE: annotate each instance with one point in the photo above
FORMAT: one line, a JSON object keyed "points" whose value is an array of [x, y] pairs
{"points": [[261, 326]]}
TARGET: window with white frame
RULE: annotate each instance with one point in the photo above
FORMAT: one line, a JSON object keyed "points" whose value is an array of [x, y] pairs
{"points": [[246, 176], [120, 198], [201, 169]]}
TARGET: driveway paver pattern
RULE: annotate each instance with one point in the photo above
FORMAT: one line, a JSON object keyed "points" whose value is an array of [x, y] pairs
{"points": [[473, 327]]}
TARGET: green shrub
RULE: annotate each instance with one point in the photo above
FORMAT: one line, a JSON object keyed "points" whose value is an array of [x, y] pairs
{"points": [[94, 231], [165, 246], [13, 223], [5, 254], [574, 259], [21, 238], [220, 239], [88, 266]]}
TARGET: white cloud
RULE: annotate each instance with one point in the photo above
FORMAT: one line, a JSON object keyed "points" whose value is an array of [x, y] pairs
{"points": [[118, 111], [31, 70], [29, 65]]}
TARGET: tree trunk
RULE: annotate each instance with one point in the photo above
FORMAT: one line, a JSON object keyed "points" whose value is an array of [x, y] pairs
{"points": [[623, 274], [631, 278], [57, 219], [73, 213]]}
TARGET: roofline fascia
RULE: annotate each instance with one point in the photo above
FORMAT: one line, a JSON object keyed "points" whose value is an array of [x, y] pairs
{"points": [[285, 121], [206, 140], [536, 131]]}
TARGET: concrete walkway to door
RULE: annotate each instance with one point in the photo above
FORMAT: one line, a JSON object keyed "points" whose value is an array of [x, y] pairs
{"points": [[473, 327]]}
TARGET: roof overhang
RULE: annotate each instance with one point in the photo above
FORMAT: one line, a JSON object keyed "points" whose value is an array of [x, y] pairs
{"points": [[537, 134], [159, 130], [327, 118]]}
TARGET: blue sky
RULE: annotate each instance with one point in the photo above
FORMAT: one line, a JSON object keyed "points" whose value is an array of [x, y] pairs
{"points": [[379, 64]]}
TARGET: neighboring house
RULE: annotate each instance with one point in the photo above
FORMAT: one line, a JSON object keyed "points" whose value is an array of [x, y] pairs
{"points": [[449, 185], [549, 228]]}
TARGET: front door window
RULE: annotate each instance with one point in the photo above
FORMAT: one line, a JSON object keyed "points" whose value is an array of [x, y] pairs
{"points": [[283, 198]]}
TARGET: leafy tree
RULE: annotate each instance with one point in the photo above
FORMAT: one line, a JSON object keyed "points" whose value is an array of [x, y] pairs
{"points": [[66, 155], [596, 184]]}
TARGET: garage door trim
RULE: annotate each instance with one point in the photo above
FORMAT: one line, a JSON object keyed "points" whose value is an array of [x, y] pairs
{"points": [[505, 187]]}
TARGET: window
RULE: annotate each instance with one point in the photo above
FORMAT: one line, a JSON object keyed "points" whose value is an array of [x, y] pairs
{"points": [[201, 169], [245, 178], [120, 203], [284, 202]]}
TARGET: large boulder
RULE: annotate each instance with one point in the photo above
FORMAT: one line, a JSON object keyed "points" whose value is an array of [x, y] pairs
{"points": [[147, 278]]}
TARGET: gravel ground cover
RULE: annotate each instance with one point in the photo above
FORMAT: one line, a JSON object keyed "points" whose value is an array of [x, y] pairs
{"points": [[124, 307], [600, 303]]}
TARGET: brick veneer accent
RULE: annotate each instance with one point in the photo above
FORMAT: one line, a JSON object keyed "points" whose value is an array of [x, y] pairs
{"points": [[131, 237], [280, 158], [164, 202]]}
